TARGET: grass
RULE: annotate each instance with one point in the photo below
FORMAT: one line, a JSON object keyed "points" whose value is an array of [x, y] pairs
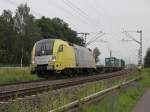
{"points": [[53, 101], [13, 75], [125, 100]]}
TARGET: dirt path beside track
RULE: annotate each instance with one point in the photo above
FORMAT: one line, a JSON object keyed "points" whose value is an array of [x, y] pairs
{"points": [[143, 104]]}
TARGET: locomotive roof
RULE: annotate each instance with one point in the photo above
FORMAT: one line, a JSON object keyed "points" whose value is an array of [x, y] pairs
{"points": [[69, 43], [45, 40]]}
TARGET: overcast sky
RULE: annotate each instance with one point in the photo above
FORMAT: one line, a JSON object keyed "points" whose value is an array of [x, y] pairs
{"points": [[93, 16]]}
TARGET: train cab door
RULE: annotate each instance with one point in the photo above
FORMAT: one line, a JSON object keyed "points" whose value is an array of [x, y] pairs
{"points": [[66, 57], [60, 58]]}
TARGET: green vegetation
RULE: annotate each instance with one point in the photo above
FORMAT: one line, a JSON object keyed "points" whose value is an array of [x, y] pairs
{"points": [[18, 34], [126, 99], [13, 75], [147, 58], [52, 101], [96, 54]]}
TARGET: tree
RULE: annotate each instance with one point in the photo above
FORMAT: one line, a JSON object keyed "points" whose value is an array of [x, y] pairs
{"points": [[147, 58], [57, 28], [96, 54], [28, 32], [18, 34], [7, 37]]}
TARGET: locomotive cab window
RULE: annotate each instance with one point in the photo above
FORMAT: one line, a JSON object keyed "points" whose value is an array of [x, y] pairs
{"points": [[44, 47], [60, 48]]}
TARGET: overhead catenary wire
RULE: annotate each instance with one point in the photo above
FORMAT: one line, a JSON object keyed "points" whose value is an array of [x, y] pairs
{"points": [[73, 5], [96, 10], [96, 39], [12, 2], [72, 15], [37, 13], [95, 36], [80, 12], [89, 21], [15, 4], [133, 39], [102, 16], [100, 10], [85, 20], [108, 18]]}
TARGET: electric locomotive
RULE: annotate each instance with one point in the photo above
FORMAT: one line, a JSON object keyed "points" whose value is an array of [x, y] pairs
{"points": [[58, 56]]}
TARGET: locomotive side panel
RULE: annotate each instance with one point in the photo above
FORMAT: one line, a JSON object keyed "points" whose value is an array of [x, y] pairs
{"points": [[65, 57], [84, 57]]}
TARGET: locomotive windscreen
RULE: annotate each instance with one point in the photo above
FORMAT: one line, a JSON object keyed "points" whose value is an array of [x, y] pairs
{"points": [[44, 47]]}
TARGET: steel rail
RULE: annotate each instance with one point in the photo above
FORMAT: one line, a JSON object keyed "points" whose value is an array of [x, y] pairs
{"points": [[76, 103], [9, 92]]}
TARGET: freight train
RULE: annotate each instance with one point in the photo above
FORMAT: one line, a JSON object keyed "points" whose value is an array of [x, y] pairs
{"points": [[114, 64], [56, 56]]}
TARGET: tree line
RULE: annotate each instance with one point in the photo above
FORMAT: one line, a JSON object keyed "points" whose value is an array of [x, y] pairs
{"points": [[19, 32], [147, 58]]}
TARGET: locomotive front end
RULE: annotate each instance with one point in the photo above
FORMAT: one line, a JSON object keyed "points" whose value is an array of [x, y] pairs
{"points": [[43, 58]]}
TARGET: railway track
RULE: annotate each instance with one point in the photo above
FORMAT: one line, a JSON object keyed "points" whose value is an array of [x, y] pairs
{"points": [[20, 90], [88, 100]]}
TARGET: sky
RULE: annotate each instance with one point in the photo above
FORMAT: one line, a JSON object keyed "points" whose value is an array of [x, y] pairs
{"points": [[111, 17]]}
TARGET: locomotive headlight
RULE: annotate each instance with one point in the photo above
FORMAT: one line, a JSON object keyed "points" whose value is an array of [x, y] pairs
{"points": [[53, 58], [33, 62]]}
